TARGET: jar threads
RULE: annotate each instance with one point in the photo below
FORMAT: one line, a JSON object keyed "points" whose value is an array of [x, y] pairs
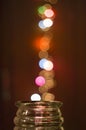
{"points": [[38, 115]]}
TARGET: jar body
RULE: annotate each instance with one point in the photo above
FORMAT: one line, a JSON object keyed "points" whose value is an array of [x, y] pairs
{"points": [[38, 116]]}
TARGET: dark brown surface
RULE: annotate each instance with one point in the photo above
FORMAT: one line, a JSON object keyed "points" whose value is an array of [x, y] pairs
{"points": [[19, 58]]}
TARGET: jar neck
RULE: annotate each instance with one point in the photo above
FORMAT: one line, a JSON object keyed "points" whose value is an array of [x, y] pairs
{"points": [[41, 115], [39, 103]]}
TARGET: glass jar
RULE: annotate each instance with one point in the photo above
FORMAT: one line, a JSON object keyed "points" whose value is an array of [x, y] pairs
{"points": [[38, 115]]}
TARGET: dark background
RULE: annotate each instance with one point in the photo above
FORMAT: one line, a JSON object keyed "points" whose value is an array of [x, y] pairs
{"points": [[19, 58]]}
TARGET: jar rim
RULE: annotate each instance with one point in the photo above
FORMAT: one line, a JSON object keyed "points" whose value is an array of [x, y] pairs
{"points": [[42, 103]]}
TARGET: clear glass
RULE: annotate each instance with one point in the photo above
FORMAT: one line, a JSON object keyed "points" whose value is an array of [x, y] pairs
{"points": [[38, 115]]}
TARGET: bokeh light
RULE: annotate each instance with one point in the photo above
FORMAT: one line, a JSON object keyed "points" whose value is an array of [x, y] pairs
{"points": [[47, 22], [49, 13], [47, 74], [48, 6], [35, 97], [48, 96], [41, 24], [40, 80], [43, 8], [45, 80], [50, 83], [44, 46], [43, 89], [48, 65], [44, 43], [42, 62], [43, 54], [52, 1]]}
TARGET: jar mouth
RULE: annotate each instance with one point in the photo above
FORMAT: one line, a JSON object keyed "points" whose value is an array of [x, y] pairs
{"points": [[40, 103]]}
